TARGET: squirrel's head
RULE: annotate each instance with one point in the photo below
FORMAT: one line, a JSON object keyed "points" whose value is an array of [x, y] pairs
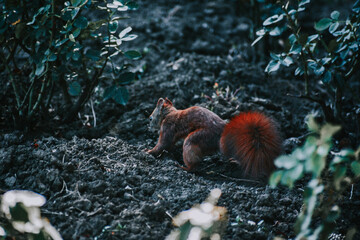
{"points": [[163, 108]]}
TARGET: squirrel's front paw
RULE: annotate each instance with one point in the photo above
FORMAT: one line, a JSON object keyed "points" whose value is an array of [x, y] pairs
{"points": [[148, 151]]}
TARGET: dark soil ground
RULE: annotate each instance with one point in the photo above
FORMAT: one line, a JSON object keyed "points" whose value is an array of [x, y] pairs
{"points": [[99, 182]]}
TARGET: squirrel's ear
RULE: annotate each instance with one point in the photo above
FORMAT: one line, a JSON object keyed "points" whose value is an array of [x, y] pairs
{"points": [[168, 101], [161, 100]]}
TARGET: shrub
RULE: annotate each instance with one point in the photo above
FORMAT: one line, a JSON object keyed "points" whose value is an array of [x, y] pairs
{"points": [[63, 48], [328, 180], [205, 220], [330, 54], [22, 210]]}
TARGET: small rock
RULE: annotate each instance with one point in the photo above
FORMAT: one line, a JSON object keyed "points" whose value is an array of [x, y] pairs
{"points": [[56, 185], [285, 201], [83, 204], [10, 181], [147, 188]]}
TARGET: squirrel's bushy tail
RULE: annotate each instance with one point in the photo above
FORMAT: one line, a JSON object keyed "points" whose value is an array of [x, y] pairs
{"points": [[253, 141]]}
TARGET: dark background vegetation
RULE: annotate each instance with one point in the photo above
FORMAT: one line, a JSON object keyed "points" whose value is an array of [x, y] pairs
{"points": [[96, 178]]}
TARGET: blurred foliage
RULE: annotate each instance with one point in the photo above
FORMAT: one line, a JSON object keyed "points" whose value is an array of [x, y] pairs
{"points": [[56, 48], [22, 210], [205, 220], [330, 55], [330, 173]]}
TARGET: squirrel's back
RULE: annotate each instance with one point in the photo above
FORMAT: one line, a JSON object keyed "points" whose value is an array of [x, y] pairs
{"points": [[253, 141]]}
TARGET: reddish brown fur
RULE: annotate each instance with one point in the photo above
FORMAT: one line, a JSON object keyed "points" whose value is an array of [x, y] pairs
{"points": [[253, 141], [251, 138]]}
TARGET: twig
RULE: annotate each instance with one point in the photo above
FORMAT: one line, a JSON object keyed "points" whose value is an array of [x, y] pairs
{"points": [[46, 73], [27, 93], [93, 213], [54, 213], [167, 213], [51, 93], [236, 179], [12, 80], [39, 98], [93, 111], [351, 192]]}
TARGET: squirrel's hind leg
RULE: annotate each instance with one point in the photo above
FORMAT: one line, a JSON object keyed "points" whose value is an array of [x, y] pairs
{"points": [[192, 156], [192, 153]]}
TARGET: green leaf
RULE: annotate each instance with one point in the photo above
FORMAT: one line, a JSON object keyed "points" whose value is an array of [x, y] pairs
{"points": [[75, 2], [297, 172], [292, 12], [327, 77], [117, 93], [275, 56], [287, 179], [335, 15], [74, 88], [109, 92], [339, 176], [319, 70], [303, 2], [356, 7], [19, 30], [2, 232], [52, 57], [327, 131], [39, 69], [287, 61], [286, 162], [66, 15], [261, 32], [355, 168], [113, 27], [124, 32], [76, 32], [275, 32], [129, 37], [76, 56], [323, 24], [312, 38], [58, 43], [40, 11], [299, 71], [81, 22], [312, 125], [96, 24], [292, 39], [295, 49], [74, 12], [132, 54], [315, 165], [126, 78], [275, 178], [273, 66], [257, 40], [71, 37], [333, 27], [132, 5], [273, 19], [121, 95]]}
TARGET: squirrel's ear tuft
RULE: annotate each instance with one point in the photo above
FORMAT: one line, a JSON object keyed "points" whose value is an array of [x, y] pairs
{"points": [[168, 101], [161, 100]]}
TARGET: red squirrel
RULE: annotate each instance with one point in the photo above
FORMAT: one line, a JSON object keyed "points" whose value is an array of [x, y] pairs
{"points": [[250, 139]]}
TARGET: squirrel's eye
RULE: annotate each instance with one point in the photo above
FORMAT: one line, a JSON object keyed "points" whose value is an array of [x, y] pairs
{"points": [[150, 118]]}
